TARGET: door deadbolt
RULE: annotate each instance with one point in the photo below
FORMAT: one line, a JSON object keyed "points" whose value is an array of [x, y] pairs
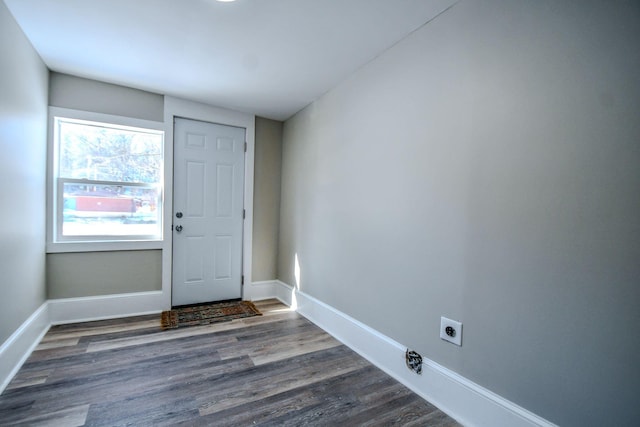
{"points": [[178, 214]]}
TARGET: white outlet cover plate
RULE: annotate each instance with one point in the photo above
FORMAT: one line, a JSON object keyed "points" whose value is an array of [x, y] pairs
{"points": [[457, 326]]}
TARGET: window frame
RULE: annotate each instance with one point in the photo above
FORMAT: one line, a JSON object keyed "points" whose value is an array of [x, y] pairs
{"points": [[55, 242]]}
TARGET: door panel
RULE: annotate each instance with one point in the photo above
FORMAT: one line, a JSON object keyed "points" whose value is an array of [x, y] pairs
{"points": [[193, 258], [208, 193], [224, 191], [197, 189], [224, 257]]}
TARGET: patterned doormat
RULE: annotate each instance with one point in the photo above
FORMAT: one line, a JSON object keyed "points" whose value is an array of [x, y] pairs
{"points": [[204, 314]]}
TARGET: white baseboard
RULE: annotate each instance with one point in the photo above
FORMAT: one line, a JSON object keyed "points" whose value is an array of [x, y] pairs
{"points": [[84, 309], [467, 402], [17, 348], [285, 294], [269, 289], [257, 291]]}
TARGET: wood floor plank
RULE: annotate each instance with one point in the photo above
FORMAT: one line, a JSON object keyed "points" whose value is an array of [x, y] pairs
{"points": [[92, 330], [274, 378], [303, 339], [96, 324], [148, 355], [51, 354], [434, 419], [282, 406], [272, 353], [399, 411], [160, 411], [148, 339], [144, 380], [67, 342], [25, 378], [274, 369], [183, 332], [74, 416]]}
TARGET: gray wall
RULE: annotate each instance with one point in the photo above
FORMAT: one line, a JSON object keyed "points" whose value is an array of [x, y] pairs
{"points": [[23, 142], [90, 95], [266, 199], [486, 168], [103, 273], [81, 274]]}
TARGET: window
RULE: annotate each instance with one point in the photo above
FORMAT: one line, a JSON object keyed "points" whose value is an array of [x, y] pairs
{"points": [[106, 181]]}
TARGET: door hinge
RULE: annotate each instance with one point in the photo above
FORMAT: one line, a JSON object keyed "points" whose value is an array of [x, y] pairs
{"points": [[244, 213], [242, 280], [245, 147]]}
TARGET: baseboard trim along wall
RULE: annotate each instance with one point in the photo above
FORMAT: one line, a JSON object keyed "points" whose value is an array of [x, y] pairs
{"points": [[17, 348], [85, 309], [462, 399], [257, 291]]}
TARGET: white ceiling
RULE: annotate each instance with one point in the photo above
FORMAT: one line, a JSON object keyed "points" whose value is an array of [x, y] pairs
{"points": [[268, 57]]}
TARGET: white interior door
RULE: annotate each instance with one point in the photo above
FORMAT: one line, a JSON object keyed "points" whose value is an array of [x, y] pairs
{"points": [[208, 211]]}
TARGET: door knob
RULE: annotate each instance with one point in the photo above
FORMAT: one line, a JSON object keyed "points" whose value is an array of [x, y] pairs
{"points": [[178, 228], [178, 214]]}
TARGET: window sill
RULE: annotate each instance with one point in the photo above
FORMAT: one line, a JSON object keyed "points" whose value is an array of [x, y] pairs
{"points": [[106, 246]]}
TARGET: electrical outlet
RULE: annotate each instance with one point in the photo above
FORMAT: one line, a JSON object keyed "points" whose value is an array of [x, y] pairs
{"points": [[451, 330]]}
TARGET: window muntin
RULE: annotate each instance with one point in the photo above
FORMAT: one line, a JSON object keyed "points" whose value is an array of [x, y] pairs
{"points": [[108, 182]]}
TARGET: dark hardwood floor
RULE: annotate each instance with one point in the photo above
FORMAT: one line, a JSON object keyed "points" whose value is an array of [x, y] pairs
{"points": [[275, 369]]}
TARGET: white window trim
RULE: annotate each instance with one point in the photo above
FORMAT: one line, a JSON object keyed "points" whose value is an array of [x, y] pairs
{"points": [[53, 246]]}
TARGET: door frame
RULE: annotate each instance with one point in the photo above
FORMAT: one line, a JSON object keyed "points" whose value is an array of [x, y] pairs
{"points": [[176, 107]]}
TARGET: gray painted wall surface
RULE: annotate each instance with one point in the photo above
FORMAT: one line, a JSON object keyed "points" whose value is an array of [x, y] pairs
{"points": [[266, 199], [486, 168], [90, 95], [103, 273], [23, 142]]}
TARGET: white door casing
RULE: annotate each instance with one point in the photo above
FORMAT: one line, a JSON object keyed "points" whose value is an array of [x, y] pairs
{"points": [[208, 195]]}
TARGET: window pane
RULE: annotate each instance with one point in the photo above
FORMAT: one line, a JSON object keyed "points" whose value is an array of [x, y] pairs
{"points": [[100, 153], [110, 210]]}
